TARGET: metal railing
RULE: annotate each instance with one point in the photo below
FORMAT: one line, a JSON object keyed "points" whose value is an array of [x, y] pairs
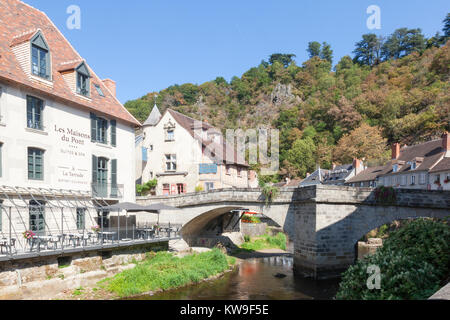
{"points": [[107, 190]]}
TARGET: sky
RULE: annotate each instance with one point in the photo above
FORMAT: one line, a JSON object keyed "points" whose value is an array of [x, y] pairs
{"points": [[149, 45]]}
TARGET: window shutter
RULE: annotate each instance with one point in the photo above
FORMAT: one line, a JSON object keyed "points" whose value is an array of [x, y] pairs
{"points": [[93, 127], [114, 191], [113, 133], [94, 169]]}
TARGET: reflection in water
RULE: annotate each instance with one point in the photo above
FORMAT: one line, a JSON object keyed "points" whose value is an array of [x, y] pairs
{"points": [[255, 280]]}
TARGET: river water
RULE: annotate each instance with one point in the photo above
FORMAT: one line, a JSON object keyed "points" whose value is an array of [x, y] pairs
{"points": [[255, 279]]}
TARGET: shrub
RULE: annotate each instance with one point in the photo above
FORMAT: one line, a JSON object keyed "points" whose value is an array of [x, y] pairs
{"points": [[414, 261], [270, 193], [199, 189], [148, 186]]}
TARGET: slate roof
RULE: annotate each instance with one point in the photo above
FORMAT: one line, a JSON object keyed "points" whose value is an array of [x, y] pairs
{"points": [[338, 174], [19, 22], [314, 178], [153, 118], [370, 174]]}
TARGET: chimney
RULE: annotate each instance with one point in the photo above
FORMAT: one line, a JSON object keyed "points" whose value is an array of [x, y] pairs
{"points": [[446, 142], [111, 85], [357, 165], [288, 180], [395, 151]]}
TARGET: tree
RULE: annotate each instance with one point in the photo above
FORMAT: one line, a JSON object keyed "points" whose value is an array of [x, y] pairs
{"points": [[447, 26], [402, 43], [363, 142], [284, 59], [314, 49], [326, 53], [368, 50], [301, 157]]}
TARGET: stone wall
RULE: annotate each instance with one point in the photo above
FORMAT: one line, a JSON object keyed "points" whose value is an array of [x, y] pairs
{"points": [[253, 229], [45, 277]]}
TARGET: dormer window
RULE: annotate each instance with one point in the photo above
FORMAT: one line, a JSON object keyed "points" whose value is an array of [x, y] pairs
{"points": [[395, 168], [83, 80], [413, 165], [40, 57]]}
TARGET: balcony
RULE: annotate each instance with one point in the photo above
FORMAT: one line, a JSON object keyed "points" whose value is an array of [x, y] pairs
{"points": [[107, 191]]}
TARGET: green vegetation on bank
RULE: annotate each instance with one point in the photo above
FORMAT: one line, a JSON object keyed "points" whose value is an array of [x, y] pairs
{"points": [[414, 264], [164, 271], [265, 242]]}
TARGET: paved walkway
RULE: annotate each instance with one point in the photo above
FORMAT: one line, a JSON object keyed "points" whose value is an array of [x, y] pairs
{"points": [[443, 294]]}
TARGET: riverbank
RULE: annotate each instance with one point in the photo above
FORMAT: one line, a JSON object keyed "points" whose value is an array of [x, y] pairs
{"points": [[157, 273]]}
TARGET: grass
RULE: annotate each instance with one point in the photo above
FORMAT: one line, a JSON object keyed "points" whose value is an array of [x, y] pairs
{"points": [[164, 271], [266, 242], [78, 292]]}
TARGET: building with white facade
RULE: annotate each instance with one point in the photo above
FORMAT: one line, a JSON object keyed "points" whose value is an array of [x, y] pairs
{"points": [[186, 155], [65, 139]]}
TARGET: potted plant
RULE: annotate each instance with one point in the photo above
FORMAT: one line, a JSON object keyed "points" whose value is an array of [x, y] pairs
{"points": [[447, 180], [29, 235], [95, 229]]}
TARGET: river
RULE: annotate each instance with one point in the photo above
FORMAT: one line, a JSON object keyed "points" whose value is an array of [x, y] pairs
{"points": [[255, 279]]}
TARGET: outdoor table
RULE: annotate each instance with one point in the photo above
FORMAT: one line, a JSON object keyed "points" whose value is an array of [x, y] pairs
{"points": [[146, 233], [105, 235]]}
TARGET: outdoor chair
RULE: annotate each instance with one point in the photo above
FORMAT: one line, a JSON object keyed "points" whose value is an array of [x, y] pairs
{"points": [[9, 247]]}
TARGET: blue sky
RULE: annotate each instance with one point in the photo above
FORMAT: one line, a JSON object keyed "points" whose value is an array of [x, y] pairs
{"points": [[148, 45]]}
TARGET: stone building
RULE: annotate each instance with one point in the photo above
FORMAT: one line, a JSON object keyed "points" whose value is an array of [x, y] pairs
{"points": [[186, 155], [63, 133]]}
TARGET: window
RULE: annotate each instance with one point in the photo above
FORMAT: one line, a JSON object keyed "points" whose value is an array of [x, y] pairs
{"points": [[40, 57], [181, 188], [103, 219], [35, 164], [239, 172], [35, 109], [99, 130], [83, 80], [228, 170], [99, 90], [166, 189], [81, 218], [37, 217], [170, 135], [413, 180], [422, 178], [209, 186], [403, 180], [413, 165], [395, 168], [171, 162], [100, 176]]}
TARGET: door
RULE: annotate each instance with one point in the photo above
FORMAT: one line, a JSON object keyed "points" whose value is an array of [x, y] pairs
{"points": [[37, 217]]}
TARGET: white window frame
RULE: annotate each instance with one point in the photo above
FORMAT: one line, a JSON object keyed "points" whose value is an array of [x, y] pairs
{"points": [[171, 162]]}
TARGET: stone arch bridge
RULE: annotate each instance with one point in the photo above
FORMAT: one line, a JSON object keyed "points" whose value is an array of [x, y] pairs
{"points": [[324, 222]]}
